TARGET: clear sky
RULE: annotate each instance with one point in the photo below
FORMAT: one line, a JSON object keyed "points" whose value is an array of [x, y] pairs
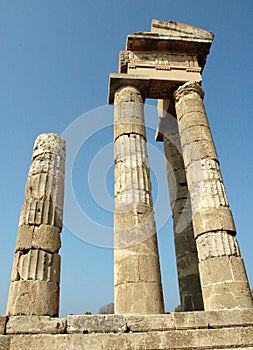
{"points": [[56, 57]]}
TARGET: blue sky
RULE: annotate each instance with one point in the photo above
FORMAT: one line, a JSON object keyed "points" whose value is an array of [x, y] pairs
{"points": [[56, 57]]}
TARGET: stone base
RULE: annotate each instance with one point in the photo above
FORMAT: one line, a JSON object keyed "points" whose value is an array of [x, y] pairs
{"points": [[33, 298], [226, 329]]}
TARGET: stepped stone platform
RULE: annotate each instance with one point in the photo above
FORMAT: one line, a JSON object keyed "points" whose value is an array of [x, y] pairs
{"points": [[226, 329]]}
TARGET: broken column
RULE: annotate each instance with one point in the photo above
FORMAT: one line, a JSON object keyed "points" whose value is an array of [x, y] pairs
{"points": [[137, 281], [185, 245], [223, 278], [34, 288]]}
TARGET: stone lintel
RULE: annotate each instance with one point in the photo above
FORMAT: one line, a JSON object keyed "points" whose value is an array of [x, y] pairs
{"points": [[147, 41], [157, 88]]}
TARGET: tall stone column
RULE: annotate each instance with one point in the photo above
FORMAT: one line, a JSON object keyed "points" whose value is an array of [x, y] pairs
{"points": [[185, 245], [223, 278], [137, 281], [34, 288]]}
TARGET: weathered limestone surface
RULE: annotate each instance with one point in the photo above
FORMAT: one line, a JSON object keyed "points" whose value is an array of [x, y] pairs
{"points": [[185, 245], [181, 31], [223, 277], [136, 263], [3, 320], [45, 237], [35, 324], [33, 297], [36, 268], [96, 324], [227, 329]]}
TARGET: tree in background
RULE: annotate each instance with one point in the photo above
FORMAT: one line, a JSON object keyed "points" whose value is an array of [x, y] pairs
{"points": [[107, 309]]}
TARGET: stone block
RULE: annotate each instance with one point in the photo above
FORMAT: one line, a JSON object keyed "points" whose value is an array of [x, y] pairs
{"points": [[190, 293], [187, 264], [128, 128], [208, 194], [33, 298], [195, 134], [185, 242], [133, 196], [96, 324], [40, 212], [131, 268], [213, 219], [150, 323], [35, 325], [222, 269], [44, 237], [196, 151], [3, 320], [124, 219], [184, 320], [129, 216], [227, 295], [48, 163], [45, 187], [173, 153], [192, 119], [36, 265], [130, 149], [223, 318], [49, 143], [188, 107], [134, 298], [125, 268], [127, 94], [215, 244], [136, 235], [132, 180], [5, 342], [129, 113], [246, 316], [204, 169], [215, 270], [178, 193]]}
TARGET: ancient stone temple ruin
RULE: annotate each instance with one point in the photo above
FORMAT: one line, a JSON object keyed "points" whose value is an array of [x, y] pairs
{"points": [[165, 64]]}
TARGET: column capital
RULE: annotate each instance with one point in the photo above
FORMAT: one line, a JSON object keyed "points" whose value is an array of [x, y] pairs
{"points": [[191, 87], [118, 81], [128, 93]]}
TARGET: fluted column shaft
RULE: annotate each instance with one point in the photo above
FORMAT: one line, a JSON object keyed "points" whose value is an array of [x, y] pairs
{"points": [[137, 281], [223, 278], [185, 245], [34, 288]]}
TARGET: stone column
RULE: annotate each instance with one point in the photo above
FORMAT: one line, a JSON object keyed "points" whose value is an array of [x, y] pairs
{"points": [[185, 245], [137, 281], [34, 288], [223, 278]]}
